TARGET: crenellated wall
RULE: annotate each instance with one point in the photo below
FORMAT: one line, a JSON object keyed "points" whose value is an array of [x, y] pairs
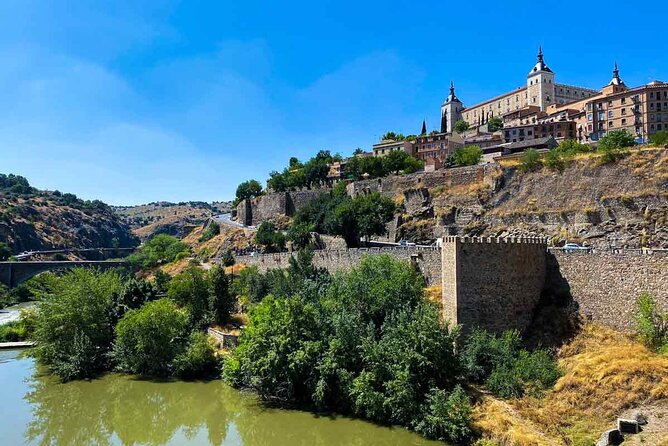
{"points": [[492, 282]]}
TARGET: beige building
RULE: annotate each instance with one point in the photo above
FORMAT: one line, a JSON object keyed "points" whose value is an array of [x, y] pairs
{"points": [[540, 92], [437, 146], [386, 146]]}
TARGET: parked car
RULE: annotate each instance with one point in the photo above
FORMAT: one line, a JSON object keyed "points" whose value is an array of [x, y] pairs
{"points": [[573, 247], [406, 243]]}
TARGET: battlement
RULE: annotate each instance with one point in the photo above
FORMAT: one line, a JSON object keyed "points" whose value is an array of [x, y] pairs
{"points": [[498, 240]]}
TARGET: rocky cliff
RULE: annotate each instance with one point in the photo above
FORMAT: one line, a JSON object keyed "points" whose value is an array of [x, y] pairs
{"points": [[623, 204], [33, 220]]}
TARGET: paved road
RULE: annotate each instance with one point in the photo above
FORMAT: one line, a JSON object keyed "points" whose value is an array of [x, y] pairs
{"points": [[226, 219]]}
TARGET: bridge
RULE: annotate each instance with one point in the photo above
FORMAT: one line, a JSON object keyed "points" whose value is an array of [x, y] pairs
{"points": [[13, 274], [28, 254]]}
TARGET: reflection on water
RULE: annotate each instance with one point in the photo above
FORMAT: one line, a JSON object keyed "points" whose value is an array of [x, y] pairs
{"points": [[121, 410]]}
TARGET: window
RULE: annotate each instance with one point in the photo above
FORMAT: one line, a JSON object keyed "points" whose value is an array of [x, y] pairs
{"points": [[610, 113], [623, 100], [624, 121], [589, 106], [623, 111], [658, 126]]}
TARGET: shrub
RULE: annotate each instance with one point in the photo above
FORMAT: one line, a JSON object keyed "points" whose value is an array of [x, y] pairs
{"points": [[5, 251], [555, 160], [12, 332], [461, 126], [483, 351], [660, 138], [73, 327], [227, 259], [162, 248], [150, 338], [268, 236], [651, 324], [300, 235], [446, 416], [198, 360], [133, 295], [190, 289], [570, 147], [210, 232], [614, 144], [467, 156], [530, 160]]}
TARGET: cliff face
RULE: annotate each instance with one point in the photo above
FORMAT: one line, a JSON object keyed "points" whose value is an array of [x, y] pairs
{"points": [[624, 204], [40, 220]]}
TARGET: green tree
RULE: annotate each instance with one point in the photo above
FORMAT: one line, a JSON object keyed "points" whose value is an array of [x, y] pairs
{"points": [[269, 237], [461, 126], [494, 124], [221, 301], [467, 156], [212, 230], [148, 339], [300, 235], [530, 160], [571, 147], [660, 138], [363, 216], [247, 190], [398, 160], [616, 139], [5, 251], [132, 295], [190, 289], [161, 281], [73, 328], [227, 259]]}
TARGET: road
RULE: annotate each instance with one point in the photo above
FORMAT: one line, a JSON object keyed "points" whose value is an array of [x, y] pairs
{"points": [[226, 219]]}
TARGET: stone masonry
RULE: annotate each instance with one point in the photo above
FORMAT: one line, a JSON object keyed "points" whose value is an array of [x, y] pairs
{"points": [[492, 282], [606, 284]]}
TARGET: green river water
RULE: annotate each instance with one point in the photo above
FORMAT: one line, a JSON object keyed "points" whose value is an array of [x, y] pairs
{"points": [[35, 409]]}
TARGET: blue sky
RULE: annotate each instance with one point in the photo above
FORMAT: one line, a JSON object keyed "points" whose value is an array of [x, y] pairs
{"points": [[132, 102]]}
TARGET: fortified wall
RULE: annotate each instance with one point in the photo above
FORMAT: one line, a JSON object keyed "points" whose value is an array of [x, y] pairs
{"points": [[427, 260], [605, 284], [270, 206], [493, 283]]}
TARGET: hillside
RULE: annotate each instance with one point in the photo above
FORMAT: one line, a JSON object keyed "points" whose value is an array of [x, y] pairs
{"points": [[623, 204], [164, 217], [32, 219]]}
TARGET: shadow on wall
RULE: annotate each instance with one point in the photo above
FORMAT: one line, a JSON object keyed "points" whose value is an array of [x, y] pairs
{"points": [[556, 318]]}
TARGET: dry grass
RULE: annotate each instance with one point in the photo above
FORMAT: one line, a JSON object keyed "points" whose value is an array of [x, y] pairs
{"points": [[435, 294], [605, 372], [498, 421]]}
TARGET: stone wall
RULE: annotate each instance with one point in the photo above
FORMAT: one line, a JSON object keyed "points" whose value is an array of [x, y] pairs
{"points": [[427, 260], [606, 284], [274, 205], [491, 282], [392, 185]]}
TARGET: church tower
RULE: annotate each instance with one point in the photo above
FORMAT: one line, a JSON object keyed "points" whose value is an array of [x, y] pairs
{"points": [[540, 84], [451, 111], [616, 85]]}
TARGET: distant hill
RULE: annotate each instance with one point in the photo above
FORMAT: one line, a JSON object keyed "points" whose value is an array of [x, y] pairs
{"points": [[33, 220], [164, 217]]}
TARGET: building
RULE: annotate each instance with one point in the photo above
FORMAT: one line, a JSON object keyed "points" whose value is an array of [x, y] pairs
{"points": [[437, 146], [386, 146], [539, 92]]}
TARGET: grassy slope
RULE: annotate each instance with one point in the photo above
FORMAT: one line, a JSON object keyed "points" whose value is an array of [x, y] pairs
{"points": [[605, 373]]}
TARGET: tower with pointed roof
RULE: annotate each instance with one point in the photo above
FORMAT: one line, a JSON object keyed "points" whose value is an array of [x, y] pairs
{"points": [[540, 83], [616, 85], [451, 111]]}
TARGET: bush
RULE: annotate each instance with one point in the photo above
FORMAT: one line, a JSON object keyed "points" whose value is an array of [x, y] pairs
{"points": [[364, 343], [190, 289], [613, 146], [651, 324], [268, 236], [530, 160], [150, 338], [555, 160], [227, 259], [660, 138], [210, 232], [446, 416], [5, 251], [73, 327], [12, 332], [467, 156], [461, 126], [198, 360], [162, 248], [300, 235]]}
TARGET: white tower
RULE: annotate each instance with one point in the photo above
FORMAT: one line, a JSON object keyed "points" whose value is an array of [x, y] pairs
{"points": [[451, 111], [540, 84]]}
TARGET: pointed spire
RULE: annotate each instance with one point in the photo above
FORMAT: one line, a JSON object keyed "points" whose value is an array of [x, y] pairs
{"points": [[424, 127], [452, 97], [616, 80], [540, 53]]}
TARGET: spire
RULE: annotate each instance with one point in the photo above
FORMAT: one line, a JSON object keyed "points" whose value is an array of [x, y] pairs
{"points": [[540, 63], [452, 97], [616, 80], [539, 58], [424, 127]]}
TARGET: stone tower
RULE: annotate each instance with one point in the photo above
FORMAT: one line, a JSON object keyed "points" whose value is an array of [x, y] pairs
{"points": [[616, 85], [451, 111], [540, 84]]}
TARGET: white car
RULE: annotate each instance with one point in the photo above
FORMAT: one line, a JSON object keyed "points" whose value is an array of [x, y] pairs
{"points": [[406, 243], [572, 247]]}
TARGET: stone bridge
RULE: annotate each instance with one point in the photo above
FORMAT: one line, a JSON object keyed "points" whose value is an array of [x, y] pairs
{"points": [[14, 273]]}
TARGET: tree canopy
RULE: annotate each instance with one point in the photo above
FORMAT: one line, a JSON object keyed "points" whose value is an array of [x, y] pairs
{"points": [[247, 190], [461, 126], [467, 156]]}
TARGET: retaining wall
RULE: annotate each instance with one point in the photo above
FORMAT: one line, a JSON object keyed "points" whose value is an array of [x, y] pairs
{"points": [[606, 284]]}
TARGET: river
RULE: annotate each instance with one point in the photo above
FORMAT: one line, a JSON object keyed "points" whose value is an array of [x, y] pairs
{"points": [[35, 409], [10, 314]]}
